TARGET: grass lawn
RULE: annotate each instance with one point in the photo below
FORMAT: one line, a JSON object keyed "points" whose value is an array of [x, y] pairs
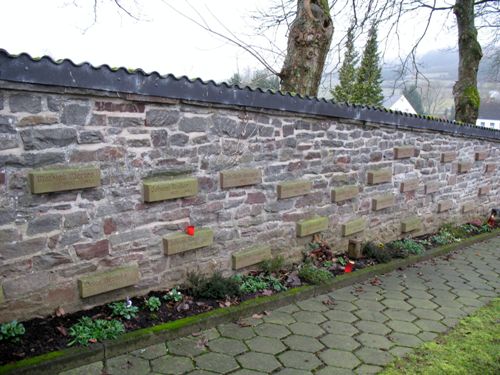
{"points": [[472, 347]]}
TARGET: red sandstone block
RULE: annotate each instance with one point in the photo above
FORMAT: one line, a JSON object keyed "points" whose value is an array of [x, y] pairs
{"points": [[100, 249]]}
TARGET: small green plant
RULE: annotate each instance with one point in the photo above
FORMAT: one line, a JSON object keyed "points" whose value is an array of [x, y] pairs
{"points": [[252, 284], [444, 237], [276, 284], [313, 275], [327, 263], [403, 248], [342, 261], [88, 331], [124, 309], [214, 287], [173, 295], [11, 331], [273, 265], [153, 304]]}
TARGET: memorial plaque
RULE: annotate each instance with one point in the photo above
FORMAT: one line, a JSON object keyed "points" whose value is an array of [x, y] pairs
{"points": [[444, 206], [240, 177], [481, 155], [251, 256], [311, 226], [404, 152], [464, 167], [484, 190], [409, 185], [344, 193], [290, 189], [410, 224], [353, 226], [180, 242], [380, 176], [52, 180], [448, 156], [431, 187], [106, 281], [490, 168], [164, 189], [468, 207], [382, 201]]}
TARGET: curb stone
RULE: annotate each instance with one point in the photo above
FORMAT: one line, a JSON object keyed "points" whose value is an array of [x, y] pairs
{"points": [[67, 359]]}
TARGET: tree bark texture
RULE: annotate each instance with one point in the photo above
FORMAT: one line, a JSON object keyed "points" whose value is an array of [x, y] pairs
{"points": [[309, 40], [469, 51]]}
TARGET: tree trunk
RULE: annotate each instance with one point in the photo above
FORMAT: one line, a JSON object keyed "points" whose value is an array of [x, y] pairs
{"points": [[469, 55], [309, 40]]}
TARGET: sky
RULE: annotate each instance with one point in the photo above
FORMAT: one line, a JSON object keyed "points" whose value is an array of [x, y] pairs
{"points": [[161, 40]]}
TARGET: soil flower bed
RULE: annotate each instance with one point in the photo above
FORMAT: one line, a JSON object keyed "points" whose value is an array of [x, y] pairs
{"points": [[201, 294]]}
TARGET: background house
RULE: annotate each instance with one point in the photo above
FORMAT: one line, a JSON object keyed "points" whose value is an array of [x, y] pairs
{"points": [[399, 103], [489, 115]]}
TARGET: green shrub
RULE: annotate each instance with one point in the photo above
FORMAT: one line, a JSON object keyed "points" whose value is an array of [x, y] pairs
{"points": [[153, 304], [377, 251], [254, 284], [11, 331], [214, 287], [124, 309], [273, 265], [173, 295], [88, 330], [403, 248], [313, 275]]}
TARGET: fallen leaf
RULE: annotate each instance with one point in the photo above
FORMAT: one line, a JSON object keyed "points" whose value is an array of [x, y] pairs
{"points": [[59, 311], [267, 292], [243, 323], [329, 302], [202, 342], [196, 334], [375, 281], [257, 316], [267, 313], [93, 341], [62, 330]]}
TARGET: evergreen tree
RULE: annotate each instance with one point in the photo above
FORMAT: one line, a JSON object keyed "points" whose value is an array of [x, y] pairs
{"points": [[235, 79], [413, 96], [369, 74], [344, 91]]}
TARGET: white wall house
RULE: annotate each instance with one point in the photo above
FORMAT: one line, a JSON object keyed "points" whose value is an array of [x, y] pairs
{"points": [[399, 103], [489, 115]]}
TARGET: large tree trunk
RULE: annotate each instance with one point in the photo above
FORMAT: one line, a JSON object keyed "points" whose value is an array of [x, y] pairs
{"points": [[309, 40], [469, 51]]}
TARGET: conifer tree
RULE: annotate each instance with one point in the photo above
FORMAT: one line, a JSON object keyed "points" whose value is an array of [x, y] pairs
{"points": [[344, 91], [369, 74]]}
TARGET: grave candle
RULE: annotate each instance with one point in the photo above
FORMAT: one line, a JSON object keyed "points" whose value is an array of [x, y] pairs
{"points": [[190, 230]]}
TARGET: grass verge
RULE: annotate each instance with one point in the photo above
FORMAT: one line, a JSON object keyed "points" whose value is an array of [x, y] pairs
{"points": [[472, 347]]}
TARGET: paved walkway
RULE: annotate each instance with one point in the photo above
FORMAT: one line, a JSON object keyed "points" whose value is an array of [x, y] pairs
{"points": [[357, 329]]}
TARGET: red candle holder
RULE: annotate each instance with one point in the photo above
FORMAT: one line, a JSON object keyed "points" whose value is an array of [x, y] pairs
{"points": [[348, 267], [190, 230]]}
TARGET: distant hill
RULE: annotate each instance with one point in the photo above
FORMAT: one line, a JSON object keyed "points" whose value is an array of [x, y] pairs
{"points": [[439, 65]]}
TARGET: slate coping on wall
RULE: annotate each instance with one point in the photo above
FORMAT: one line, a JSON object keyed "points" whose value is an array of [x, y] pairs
{"points": [[45, 71], [66, 359]]}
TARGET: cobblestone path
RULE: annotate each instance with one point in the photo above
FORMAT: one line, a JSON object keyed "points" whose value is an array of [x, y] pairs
{"points": [[353, 330]]}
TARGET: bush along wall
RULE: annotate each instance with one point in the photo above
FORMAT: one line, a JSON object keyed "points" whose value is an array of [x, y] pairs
{"points": [[99, 183]]}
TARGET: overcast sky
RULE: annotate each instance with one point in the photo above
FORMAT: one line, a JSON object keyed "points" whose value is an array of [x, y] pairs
{"points": [[161, 40]]}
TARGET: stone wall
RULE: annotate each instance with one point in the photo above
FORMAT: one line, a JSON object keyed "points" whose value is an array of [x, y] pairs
{"points": [[250, 181]]}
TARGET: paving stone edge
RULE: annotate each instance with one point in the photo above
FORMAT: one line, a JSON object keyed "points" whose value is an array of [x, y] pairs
{"points": [[66, 359]]}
